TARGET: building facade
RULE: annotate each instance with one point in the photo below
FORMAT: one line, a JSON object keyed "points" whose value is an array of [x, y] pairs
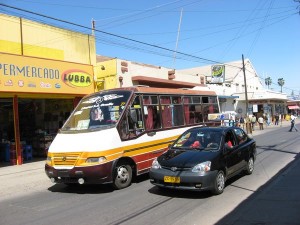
{"points": [[114, 73], [232, 90], [44, 72]]}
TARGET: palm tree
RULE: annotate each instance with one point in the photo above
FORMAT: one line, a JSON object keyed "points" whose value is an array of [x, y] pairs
{"points": [[281, 83], [268, 81]]}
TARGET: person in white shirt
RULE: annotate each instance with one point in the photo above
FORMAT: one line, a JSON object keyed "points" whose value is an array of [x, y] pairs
{"points": [[261, 122], [293, 118]]}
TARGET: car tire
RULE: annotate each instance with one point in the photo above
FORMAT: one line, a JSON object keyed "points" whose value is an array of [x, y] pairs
{"points": [[122, 176], [250, 166], [219, 183]]}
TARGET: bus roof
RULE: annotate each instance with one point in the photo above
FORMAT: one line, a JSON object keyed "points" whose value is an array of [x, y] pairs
{"points": [[173, 91]]}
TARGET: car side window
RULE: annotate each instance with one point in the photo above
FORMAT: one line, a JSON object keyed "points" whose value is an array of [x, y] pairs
{"points": [[229, 139], [241, 135]]}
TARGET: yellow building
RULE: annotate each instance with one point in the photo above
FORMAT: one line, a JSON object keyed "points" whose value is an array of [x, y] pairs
{"points": [[44, 72]]}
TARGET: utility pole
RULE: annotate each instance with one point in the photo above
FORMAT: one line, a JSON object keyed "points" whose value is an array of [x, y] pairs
{"points": [[93, 27], [245, 82], [248, 123], [178, 32]]}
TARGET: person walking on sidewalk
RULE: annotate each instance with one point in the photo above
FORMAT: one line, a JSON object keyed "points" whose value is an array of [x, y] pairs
{"points": [[242, 122], [293, 118], [261, 122], [253, 121], [276, 119]]}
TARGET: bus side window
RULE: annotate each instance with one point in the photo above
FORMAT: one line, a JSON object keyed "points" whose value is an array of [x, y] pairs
{"points": [[123, 128], [135, 118], [156, 118]]}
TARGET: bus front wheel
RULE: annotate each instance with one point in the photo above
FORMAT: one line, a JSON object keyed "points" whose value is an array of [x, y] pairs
{"points": [[123, 176]]}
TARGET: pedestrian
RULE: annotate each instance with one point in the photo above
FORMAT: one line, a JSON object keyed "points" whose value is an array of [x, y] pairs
{"points": [[293, 118], [242, 122], [276, 119], [237, 121], [253, 121], [222, 117], [261, 122], [268, 120]]}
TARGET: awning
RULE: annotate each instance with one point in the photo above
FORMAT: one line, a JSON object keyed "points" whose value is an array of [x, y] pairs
{"points": [[293, 107]]}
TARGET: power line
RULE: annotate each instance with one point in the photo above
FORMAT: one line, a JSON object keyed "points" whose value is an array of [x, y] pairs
{"points": [[183, 55], [110, 34]]}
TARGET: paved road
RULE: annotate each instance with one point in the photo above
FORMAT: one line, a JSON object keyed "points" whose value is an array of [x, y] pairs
{"points": [[270, 196]]}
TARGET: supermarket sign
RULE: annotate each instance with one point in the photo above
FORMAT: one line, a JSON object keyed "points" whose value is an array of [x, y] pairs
{"points": [[36, 75]]}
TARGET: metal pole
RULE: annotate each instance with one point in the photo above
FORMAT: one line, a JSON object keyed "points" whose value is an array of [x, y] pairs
{"points": [[248, 123], [178, 32], [245, 82]]}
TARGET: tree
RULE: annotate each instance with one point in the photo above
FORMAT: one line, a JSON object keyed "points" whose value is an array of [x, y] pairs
{"points": [[281, 83], [268, 80]]}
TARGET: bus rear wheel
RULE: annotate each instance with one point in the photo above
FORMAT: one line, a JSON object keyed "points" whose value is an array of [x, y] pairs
{"points": [[123, 176]]}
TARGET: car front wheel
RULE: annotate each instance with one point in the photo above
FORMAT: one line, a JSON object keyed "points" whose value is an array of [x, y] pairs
{"points": [[250, 166], [219, 184]]}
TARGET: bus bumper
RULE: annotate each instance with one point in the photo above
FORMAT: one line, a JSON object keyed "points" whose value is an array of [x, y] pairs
{"points": [[98, 174]]}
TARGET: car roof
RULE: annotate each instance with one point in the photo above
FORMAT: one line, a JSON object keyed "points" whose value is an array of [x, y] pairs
{"points": [[220, 129]]}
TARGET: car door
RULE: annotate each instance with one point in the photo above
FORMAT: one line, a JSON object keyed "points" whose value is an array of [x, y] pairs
{"points": [[233, 155], [244, 146]]}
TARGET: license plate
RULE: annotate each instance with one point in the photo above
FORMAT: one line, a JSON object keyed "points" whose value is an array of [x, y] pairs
{"points": [[63, 174], [169, 179]]}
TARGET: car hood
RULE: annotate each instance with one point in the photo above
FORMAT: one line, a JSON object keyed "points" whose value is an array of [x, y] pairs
{"points": [[186, 158]]}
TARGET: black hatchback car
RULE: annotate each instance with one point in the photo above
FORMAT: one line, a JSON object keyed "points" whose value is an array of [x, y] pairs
{"points": [[203, 158]]}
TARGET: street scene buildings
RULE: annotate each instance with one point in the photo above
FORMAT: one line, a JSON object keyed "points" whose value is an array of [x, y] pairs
{"points": [[42, 80]]}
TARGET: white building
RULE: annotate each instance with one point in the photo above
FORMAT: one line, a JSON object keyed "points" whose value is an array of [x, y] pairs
{"points": [[232, 91]]}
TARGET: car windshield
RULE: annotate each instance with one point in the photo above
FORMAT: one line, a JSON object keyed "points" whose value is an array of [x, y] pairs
{"points": [[98, 111], [199, 139]]}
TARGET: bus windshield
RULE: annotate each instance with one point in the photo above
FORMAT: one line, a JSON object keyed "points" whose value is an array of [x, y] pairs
{"points": [[101, 110]]}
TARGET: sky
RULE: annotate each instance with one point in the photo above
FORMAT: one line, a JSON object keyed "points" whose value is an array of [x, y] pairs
{"points": [[182, 34]]}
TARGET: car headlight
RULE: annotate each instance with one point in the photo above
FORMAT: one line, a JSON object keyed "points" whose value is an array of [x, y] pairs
{"points": [[96, 159], [202, 167], [155, 164]]}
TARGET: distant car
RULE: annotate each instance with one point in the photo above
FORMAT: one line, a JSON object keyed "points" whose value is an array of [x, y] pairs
{"points": [[203, 158]]}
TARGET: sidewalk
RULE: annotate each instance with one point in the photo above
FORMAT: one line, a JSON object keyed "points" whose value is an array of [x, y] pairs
{"points": [[271, 127]]}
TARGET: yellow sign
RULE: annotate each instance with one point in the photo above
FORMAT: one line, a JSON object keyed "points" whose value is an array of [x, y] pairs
{"points": [[36, 75]]}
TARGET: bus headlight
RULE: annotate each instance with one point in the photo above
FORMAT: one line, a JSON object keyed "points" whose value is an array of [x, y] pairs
{"points": [[48, 160], [96, 159]]}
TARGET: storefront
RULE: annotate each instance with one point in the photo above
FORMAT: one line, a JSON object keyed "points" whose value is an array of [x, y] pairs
{"points": [[36, 97]]}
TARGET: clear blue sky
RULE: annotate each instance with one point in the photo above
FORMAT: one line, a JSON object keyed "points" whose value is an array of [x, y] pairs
{"points": [[267, 32]]}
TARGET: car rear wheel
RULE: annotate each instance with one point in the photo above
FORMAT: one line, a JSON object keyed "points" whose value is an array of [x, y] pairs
{"points": [[219, 184], [250, 166], [123, 176]]}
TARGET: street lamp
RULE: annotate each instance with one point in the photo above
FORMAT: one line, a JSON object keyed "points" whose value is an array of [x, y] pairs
{"points": [[268, 81], [281, 83]]}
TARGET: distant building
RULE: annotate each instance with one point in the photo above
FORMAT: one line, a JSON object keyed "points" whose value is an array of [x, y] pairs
{"points": [[232, 91]]}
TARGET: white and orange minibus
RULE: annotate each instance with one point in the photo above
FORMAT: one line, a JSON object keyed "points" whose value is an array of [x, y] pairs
{"points": [[114, 135]]}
